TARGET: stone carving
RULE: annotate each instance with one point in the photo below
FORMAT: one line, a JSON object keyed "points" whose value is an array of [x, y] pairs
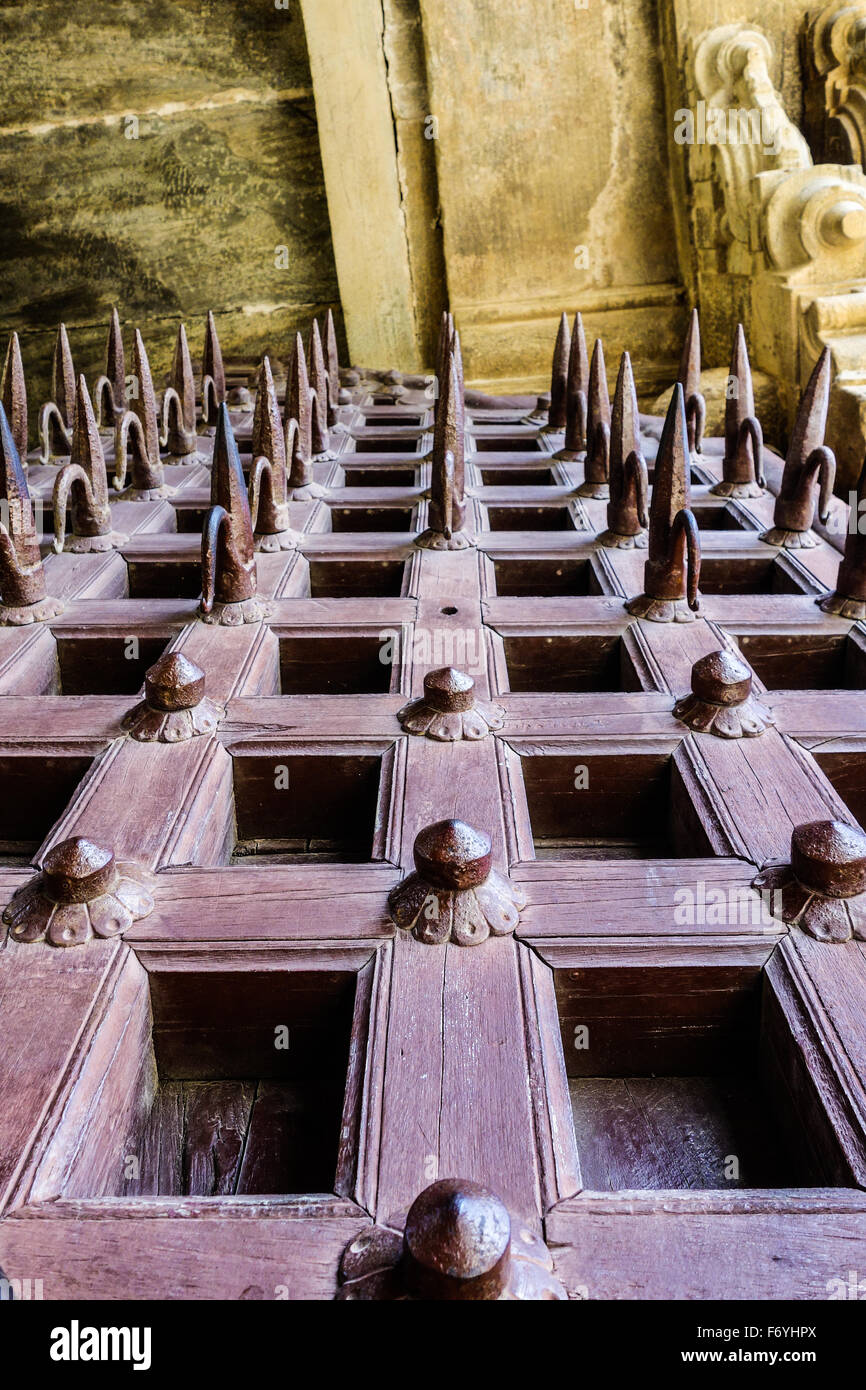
{"points": [[175, 707], [449, 710], [455, 894], [82, 484], [822, 889], [673, 564], [457, 1243], [721, 700], [835, 96], [81, 892]]}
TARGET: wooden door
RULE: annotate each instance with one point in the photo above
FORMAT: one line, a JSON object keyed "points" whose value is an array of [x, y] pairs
{"points": [[243, 1094]]}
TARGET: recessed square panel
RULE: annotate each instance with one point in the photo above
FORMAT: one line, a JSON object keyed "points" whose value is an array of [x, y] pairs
{"points": [[292, 807]]}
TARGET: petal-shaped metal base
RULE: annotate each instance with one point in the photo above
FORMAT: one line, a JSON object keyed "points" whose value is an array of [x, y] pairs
{"points": [[20, 615], [612, 540], [419, 717], [465, 916], [251, 610], [148, 725], [789, 540], [661, 610], [435, 540], [33, 916], [746, 720]]}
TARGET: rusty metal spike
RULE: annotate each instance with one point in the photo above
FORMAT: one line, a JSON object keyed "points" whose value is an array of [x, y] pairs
{"points": [[63, 377], [228, 551], [213, 377], [849, 597], [557, 414], [82, 483], [596, 466], [807, 458], [299, 408], [178, 406], [689, 377], [447, 500], [332, 363], [673, 532], [320, 441], [443, 348], [742, 465], [14, 396], [23, 597], [576, 395], [626, 510], [109, 393], [139, 426], [268, 494]]}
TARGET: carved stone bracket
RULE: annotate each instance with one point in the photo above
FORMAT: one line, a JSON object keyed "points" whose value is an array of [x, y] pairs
{"points": [[721, 700], [835, 98], [455, 894], [822, 889], [80, 893], [457, 1244], [175, 707], [449, 710]]}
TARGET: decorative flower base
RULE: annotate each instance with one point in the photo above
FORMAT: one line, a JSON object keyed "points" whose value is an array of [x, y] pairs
{"points": [[448, 710], [569, 455], [454, 894], [194, 459], [721, 700], [661, 610], [612, 540], [277, 540], [457, 1244], [93, 545], [20, 615], [251, 610], [310, 492], [789, 540], [843, 607], [146, 494], [822, 889], [600, 491], [737, 490], [81, 892], [436, 540]]}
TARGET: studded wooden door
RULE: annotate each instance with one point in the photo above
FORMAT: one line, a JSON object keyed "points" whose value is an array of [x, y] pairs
{"points": [[488, 946]]}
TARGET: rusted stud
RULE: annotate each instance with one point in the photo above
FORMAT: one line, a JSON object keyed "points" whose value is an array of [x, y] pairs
{"points": [[808, 458], [55, 417], [822, 888], [673, 564], [721, 700], [690, 379], [627, 509], [742, 467], [848, 600], [458, 1244], [213, 377], [13, 393], [23, 596], [449, 709], [228, 561], [268, 494], [81, 892], [175, 707], [447, 511], [137, 427], [596, 466], [109, 393], [82, 485], [576, 396], [454, 893], [178, 408]]}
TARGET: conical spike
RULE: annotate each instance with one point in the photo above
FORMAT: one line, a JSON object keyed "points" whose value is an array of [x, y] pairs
{"points": [[144, 400], [212, 359], [22, 579], [320, 443], [448, 435], [63, 377], [447, 500], [443, 347], [740, 401], [298, 404], [228, 554], [807, 459], [87, 452], [626, 519], [743, 460], [115, 363], [671, 484], [268, 439], [227, 486], [182, 379], [14, 394], [82, 484], [556, 418], [332, 362], [596, 466], [625, 418], [811, 421], [689, 375], [849, 598], [577, 394]]}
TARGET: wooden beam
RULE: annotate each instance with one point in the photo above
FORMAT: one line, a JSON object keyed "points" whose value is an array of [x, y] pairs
{"points": [[359, 157]]}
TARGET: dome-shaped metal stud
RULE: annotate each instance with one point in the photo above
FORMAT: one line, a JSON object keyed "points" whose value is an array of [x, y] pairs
{"points": [[175, 707], [454, 893], [449, 710], [721, 701], [81, 892], [822, 889]]}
